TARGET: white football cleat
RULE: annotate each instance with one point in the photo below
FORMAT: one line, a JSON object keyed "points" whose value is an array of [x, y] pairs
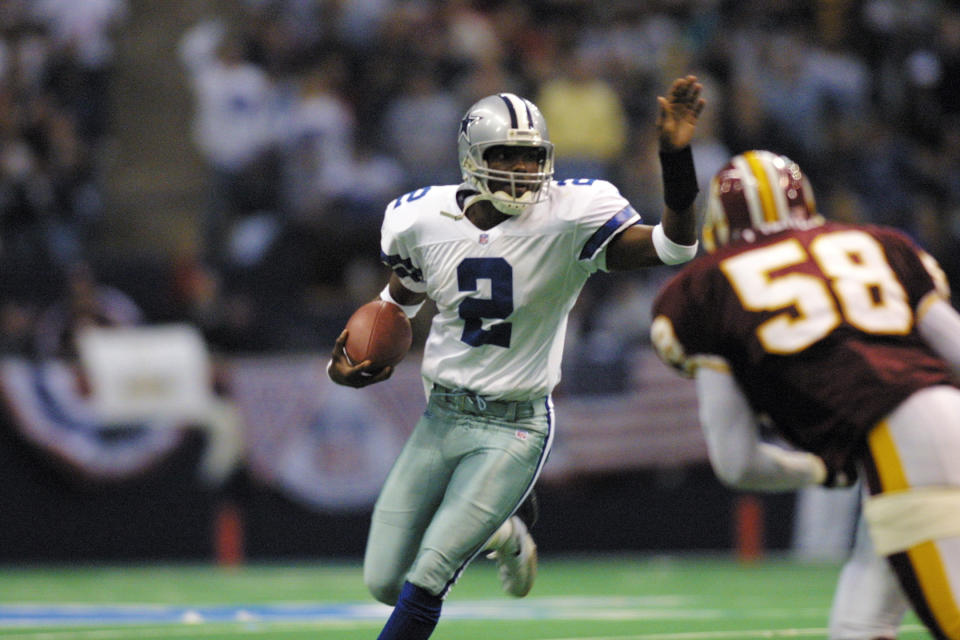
{"points": [[516, 560]]}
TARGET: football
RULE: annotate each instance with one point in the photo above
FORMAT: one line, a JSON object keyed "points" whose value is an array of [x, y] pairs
{"points": [[378, 331]]}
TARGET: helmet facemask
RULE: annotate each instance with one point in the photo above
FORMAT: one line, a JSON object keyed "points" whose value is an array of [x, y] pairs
{"points": [[511, 192]]}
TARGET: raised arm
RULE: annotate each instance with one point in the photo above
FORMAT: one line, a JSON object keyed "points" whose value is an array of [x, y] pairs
{"points": [[674, 240], [676, 122]]}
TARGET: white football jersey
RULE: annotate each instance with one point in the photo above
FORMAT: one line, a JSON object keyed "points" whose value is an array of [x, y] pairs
{"points": [[502, 295]]}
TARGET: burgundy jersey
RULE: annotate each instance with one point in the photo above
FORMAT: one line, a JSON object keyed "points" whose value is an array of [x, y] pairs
{"points": [[818, 326]]}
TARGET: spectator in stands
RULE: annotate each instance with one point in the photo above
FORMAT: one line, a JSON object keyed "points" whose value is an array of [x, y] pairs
{"points": [[17, 320], [50, 178], [83, 37], [85, 302], [233, 129], [587, 119], [417, 125], [317, 140]]}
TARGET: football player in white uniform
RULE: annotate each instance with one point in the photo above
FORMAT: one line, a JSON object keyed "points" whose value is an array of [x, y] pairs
{"points": [[504, 256]]}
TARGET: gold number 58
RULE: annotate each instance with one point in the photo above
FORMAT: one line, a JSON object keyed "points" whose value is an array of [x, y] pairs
{"points": [[859, 286]]}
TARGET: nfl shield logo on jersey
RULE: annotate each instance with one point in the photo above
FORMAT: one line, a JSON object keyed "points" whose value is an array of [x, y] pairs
{"points": [[484, 238]]}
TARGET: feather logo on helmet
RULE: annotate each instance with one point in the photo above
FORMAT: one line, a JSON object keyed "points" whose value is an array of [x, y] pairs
{"points": [[757, 192]]}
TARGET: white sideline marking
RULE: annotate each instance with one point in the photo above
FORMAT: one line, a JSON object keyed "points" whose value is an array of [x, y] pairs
{"points": [[185, 631], [123, 622], [215, 630], [195, 632], [731, 635]]}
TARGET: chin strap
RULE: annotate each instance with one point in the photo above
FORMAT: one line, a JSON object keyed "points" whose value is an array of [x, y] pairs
{"points": [[511, 206], [474, 197]]}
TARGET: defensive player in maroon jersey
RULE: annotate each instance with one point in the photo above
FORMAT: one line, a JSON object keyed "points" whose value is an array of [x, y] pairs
{"points": [[841, 338]]}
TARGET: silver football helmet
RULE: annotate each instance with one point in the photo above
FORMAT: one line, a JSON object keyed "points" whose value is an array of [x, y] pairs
{"points": [[505, 119]]}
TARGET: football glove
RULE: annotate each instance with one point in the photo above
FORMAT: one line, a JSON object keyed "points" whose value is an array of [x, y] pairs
{"points": [[840, 478]]}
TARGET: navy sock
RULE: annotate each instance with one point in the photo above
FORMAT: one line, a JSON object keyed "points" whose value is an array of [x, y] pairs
{"points": [[414, 616]]}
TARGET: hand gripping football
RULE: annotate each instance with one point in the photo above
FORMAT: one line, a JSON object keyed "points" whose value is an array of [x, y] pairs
{"points": [[378, 331]]}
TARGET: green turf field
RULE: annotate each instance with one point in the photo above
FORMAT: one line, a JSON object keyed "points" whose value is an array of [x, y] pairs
{"points": [[609, 598]]}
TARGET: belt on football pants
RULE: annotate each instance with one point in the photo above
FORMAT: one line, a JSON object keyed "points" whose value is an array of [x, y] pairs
{"points": [[469, 402]]}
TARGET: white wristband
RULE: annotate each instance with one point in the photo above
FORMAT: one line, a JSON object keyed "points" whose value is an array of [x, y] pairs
{"points": [[669, 251], [409, 309]]}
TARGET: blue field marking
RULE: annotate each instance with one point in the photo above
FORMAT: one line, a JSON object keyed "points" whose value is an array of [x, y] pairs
{"points": [[76, 615], [166, 622], [53, 615]]}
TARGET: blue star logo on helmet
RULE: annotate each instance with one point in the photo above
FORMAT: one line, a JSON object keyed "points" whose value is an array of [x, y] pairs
{"points": [[465, 124]]}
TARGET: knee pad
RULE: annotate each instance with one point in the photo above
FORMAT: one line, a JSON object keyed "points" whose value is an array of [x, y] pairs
{"points": [[902, 519]]}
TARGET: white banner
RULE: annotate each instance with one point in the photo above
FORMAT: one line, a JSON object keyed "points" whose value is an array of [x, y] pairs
{"points": [[49, 409]]}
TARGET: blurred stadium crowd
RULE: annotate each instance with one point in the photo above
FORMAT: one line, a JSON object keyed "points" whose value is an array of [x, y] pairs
{"points": [[311, 115]]}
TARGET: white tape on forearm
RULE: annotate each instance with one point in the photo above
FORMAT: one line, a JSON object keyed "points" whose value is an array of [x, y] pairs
{"points": [[669, 251], [409, 309], [903, 519]]}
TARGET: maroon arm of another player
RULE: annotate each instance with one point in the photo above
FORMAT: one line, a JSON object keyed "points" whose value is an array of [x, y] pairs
{"points": [[358, 375]]}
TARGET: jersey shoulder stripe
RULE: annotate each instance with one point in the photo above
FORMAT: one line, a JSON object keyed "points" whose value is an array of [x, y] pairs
{"points": [[403, 267], [601, 235]]}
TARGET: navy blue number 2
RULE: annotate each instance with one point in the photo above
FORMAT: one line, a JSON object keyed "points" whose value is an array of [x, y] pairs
{"points": [[499, 305]]}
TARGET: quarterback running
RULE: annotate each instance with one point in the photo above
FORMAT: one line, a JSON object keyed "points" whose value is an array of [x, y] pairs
{"points": [[841, 338], [504, 256]]}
